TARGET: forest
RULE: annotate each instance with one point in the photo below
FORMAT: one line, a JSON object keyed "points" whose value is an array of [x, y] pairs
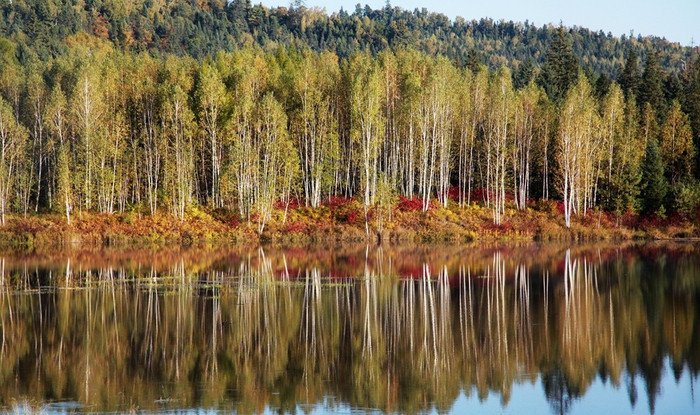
{"points": [[113, 107]]}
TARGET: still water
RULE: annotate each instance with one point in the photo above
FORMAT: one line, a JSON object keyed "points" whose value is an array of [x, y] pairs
{"points": [[504, 328]]}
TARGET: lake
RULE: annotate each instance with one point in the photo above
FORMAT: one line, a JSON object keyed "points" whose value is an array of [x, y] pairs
{"points": [[490, 327]]}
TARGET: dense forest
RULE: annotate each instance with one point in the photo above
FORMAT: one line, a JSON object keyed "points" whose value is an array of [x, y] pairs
{"points": [[114, 106], [200, 28]]}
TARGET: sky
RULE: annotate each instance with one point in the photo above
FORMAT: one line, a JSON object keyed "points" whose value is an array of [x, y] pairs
{"points": [[676, 20]]}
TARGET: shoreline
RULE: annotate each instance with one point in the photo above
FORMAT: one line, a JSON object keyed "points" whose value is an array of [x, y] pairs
{"points": [[333, 223]]}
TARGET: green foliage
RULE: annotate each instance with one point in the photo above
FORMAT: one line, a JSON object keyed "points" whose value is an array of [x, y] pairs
{"points": [[200, 28], [677, 149], [690, 101], [686, 199], [523, 74], [654, 185], [560, 68], [624, 151], [629, 78], [651, 85], [153, 106]]}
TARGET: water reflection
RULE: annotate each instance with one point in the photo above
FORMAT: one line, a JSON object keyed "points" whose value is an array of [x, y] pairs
{"points": [[396, 329]]}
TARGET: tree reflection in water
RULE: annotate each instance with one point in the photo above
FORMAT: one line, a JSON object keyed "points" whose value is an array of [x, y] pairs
{"points": [[397, 329]]}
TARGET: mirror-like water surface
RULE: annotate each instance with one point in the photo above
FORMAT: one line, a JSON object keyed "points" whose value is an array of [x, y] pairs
{"points": [[504, 328]]}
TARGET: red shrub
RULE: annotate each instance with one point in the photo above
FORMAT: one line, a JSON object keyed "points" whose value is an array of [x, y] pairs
{"points": [[590, 218], [294, 227], [343, 209], [675, 219], [337, 201], [480, 194], [453, 194], [410, 205], [651, 221], [352, 216], [504, 227], [630, 218], [293, 203]]}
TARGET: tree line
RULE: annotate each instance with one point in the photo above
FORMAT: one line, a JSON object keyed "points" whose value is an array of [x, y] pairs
{"points": [[101, 129], [200, 27]]}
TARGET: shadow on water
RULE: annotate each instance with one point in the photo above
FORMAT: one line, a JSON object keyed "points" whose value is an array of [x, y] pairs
{"points": [[405, 329]]}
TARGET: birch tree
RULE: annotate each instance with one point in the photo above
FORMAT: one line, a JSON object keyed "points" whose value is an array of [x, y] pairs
{"points": [[525, 129], [12, 135], [56, 123], [444, 111], [211, 95], [465, 148], [498, 136], [251, 77], [87, 110], [627, 160], [676, 145], [36, 94], [271, 140], [367, 121], [578, 141], [391, 145], [110, 140], [476, 118], [612, 130], [315, 123], [410, 84], [147, 104], [179, 131]]}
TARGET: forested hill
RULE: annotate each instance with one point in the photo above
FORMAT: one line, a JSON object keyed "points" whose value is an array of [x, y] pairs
{"points": [[203, 27]]}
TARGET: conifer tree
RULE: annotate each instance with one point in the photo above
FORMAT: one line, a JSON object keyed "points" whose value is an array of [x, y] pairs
{"points": [[651, 85], [690, 101], [654, 186], [629, 78], [561, 66], [523, 74]]}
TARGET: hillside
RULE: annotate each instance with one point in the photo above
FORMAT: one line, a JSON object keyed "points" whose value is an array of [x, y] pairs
{"points": [[203, 27]]}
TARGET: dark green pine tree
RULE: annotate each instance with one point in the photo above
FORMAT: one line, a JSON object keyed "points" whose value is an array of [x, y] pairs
{"points": [[602, 86], [651, 89], [523, 74], [629, 78], [690, 101], [474, 60], [560, 68], [654, 186]]}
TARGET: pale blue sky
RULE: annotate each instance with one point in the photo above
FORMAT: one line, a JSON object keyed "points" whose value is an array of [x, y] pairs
{"points": [[676, 20]]}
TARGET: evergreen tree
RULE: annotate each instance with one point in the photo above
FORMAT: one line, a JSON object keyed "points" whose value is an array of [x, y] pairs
{"points": [[602, 86], [474, 60], [561, 66], [629, 78], [654, 186], [651, 87], [523, 74], [690, 101]]}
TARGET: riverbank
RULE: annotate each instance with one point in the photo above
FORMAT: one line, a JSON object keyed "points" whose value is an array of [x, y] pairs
{"points": [[339, 220]]}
